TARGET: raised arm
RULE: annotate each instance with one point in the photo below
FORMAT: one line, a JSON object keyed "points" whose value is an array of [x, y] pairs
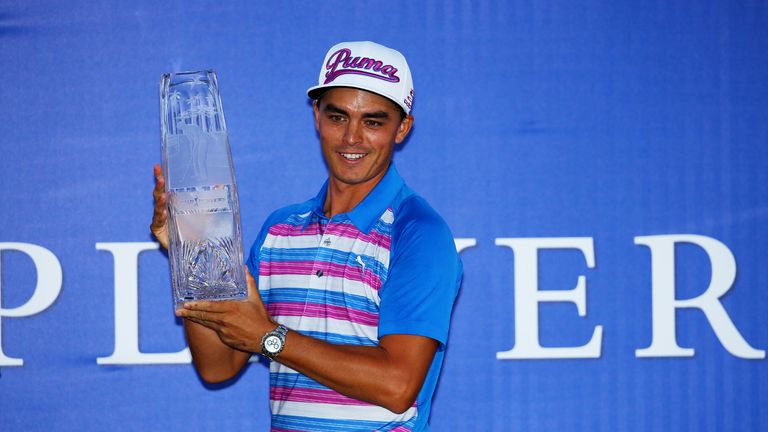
{"points": [[214, 360]]}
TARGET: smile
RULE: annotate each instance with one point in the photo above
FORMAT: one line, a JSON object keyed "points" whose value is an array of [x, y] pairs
{"points": [[353, 156]]}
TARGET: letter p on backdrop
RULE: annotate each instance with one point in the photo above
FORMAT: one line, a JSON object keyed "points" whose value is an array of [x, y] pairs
{"points": [[47, 289]]}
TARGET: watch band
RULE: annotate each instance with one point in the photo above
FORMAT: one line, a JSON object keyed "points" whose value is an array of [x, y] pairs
{"points": [[273, 342]]}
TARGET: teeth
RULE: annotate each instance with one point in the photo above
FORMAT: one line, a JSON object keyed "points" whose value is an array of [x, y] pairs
{"points": [[353, 156]]}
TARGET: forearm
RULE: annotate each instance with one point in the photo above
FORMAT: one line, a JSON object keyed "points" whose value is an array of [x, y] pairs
{"points": [[374, 374], [214, 360], [389, 375]]}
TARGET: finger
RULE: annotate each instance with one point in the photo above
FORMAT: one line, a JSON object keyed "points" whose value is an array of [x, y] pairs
{"points": [[158, 225], [200, 317], [159, 179], [160, 206], [159, 190], [160, 213], [158, 171], [207, 324], [159, 198], [211, 307]]}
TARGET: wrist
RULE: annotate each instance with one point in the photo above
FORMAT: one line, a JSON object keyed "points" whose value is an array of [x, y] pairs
{"points": [[273, 342]]}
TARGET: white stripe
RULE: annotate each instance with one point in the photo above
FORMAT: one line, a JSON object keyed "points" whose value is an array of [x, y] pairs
{"points": [[333, 284], [339, 243], [329, 325], [275, 367], [340, 412], [298, 241], [360, 247], [388, 217]]}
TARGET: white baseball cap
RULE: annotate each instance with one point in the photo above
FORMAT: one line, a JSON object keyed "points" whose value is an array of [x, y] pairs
{"points": [[366, 66]]}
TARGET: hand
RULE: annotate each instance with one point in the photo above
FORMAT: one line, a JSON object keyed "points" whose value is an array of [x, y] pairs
{"points": [[159, 226], [239, 324]]}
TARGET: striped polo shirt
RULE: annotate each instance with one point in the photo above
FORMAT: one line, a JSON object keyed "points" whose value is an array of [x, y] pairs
{"points": [[389, 266]]}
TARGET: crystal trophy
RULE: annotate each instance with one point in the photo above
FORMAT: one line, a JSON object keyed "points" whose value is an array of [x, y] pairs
{"points": [[206, 250]]}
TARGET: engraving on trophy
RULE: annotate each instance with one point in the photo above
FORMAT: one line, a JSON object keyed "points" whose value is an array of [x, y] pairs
{"points": [[210, 268], [206, 251]]}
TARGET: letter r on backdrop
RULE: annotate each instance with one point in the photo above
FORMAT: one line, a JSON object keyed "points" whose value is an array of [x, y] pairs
{"points": [[47, 289], [664, 304]]}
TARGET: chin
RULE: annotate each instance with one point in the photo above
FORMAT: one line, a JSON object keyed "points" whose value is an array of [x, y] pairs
{"points": [[350, 177], [351, 180]]}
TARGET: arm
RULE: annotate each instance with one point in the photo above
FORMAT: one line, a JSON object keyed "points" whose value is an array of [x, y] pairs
{"points": [[219, 361], [213, 360], [389, 375]]}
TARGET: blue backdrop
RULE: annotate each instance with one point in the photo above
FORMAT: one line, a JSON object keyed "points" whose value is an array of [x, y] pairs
{"points": [[628, 134]]}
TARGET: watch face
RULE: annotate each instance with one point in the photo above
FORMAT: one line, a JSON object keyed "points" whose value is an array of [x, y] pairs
{"points": [[273, 344]]}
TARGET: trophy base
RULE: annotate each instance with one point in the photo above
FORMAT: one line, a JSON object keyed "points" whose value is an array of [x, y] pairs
{"points": [[209, 272]]}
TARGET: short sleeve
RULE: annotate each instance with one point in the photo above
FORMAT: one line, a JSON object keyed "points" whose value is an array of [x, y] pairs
{"points": [[277, 216], [253, 256], [424, 275]]}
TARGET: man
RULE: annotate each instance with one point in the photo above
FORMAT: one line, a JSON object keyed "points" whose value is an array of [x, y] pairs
{"points": [[355, 286]]}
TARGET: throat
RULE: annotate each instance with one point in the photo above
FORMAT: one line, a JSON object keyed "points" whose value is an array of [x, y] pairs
{"points": [[343, 198]]}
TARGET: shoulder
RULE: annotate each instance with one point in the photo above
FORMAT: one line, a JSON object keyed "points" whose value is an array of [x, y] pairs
{"points": [[287, 214], [290, 214], [420, 236], [413, 215], [424, 272]]}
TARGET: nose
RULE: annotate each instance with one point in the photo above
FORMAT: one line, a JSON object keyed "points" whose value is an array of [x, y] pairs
{"points": [[353, 134]]}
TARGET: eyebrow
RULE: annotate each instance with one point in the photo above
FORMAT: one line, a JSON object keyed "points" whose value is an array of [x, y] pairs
{"points": [[375, 114]]}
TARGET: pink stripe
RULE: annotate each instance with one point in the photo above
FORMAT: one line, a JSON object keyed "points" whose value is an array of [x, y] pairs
{"points": [[312, 396], [342, 230], [295, 230], [323, 311], [401, 429], [350, 231], [372, 280], [286, 268], [305, 268]]}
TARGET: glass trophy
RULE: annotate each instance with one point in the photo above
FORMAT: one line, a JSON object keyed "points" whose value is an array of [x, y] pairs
{"points": [[206, 251]]}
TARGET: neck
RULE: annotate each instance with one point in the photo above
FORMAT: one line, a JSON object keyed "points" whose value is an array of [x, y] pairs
{"points": [[343, 197]]}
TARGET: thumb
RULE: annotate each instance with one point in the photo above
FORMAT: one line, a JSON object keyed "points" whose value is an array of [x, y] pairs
{"points": [[250, 282]]}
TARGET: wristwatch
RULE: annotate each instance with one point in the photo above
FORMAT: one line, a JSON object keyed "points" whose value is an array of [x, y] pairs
{"points": [[273, 342]]}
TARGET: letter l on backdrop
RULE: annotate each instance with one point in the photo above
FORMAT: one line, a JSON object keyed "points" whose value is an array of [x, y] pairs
{"points": [[127, 309]]}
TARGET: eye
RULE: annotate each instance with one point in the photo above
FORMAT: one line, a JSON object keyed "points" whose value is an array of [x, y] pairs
{"points": [[373, 123], [336, 118]]}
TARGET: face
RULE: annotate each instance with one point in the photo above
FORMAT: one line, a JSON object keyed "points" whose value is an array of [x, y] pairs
{"points": [[358, 133]]}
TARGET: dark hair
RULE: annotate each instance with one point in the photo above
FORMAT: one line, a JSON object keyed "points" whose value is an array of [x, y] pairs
{"points": [[394, 104]]}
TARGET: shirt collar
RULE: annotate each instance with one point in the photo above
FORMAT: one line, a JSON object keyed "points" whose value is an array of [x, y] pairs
{"points": [[370, 209]]}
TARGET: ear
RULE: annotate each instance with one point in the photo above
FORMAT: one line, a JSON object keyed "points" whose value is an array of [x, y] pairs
{"points": [[316, 109], [404, 129]]}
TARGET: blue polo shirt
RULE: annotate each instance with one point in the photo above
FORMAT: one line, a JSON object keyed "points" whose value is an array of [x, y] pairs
{"points": [[389, 266]]}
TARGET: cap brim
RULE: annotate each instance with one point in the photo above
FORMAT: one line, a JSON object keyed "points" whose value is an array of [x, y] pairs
{"points": [[317, 91]]}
